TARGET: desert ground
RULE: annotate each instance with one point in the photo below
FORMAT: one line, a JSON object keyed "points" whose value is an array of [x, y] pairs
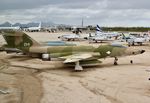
{"points": [[31, 80]]}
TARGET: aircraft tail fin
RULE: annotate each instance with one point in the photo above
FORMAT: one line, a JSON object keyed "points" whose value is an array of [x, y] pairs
{"points": [[98, 28], [124, 36], [18, 39], [40, 25]]}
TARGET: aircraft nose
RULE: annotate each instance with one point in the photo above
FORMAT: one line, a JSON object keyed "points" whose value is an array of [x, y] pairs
{"points": [[142, 51]]}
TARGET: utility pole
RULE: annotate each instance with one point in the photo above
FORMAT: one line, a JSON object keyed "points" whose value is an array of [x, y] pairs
{"points": [[82, 22]]}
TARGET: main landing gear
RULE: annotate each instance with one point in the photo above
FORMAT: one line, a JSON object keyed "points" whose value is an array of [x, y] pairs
{"points": [[78, 67]]}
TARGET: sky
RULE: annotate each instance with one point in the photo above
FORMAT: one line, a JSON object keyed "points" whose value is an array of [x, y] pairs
{"points": [[102, 12]]}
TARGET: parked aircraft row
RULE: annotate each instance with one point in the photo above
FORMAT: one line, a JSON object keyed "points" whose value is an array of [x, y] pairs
{"points": [[133, 39], [30, 29], [101, 36], [98, 36]]}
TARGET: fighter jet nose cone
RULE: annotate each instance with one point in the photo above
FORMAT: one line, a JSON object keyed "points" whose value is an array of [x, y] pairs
{"points": [[142, 51]]}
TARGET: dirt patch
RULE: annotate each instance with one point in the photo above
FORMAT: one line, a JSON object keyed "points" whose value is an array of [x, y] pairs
{"points": [[18, 85]]}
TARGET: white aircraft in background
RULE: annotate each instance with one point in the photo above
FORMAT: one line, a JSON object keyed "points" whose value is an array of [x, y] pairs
{"points": [[51, 29], [134, 39], [77, 29], [10, 28], [108, 34], [102, 36], [34, 29], [98, 38], [71, 37], [138, 40]]}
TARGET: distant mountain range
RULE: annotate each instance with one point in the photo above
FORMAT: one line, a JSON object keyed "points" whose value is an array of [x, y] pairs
{"points": [[31, 24]]}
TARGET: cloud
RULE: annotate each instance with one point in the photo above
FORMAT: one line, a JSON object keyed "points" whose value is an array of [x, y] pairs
{"points": [[103, 12]]}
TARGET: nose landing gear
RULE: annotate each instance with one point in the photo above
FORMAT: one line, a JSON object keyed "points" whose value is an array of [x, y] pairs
{"points": [[115, 61]]}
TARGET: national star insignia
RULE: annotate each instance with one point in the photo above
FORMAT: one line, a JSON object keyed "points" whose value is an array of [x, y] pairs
{"points": [[108, 52]]}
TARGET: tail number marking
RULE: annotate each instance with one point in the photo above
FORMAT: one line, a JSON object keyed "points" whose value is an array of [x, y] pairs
{"points": [[26, 44]]}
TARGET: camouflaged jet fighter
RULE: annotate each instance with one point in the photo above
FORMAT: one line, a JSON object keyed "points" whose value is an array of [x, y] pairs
{"points": [[70, 55]]}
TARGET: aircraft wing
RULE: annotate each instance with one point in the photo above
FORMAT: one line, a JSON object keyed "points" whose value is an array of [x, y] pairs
{"points": [[76, 57]]}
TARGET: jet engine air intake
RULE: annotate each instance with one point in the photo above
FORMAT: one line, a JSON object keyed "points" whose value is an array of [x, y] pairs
{"points": [[46, 57]]}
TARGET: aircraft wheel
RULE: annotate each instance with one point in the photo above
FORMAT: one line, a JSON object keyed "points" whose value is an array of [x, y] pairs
{"points": [[140, 44], [131, 61], [133, 44], [115, 61], [129, 44]]}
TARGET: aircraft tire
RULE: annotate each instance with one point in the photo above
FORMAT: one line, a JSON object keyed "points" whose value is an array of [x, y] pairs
{"points": [[131, 61], [115, 63]]}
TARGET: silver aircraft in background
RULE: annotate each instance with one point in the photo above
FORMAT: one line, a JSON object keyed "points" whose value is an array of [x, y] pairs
{"points": [[34, 29], [10, 28], [101, 36]]}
